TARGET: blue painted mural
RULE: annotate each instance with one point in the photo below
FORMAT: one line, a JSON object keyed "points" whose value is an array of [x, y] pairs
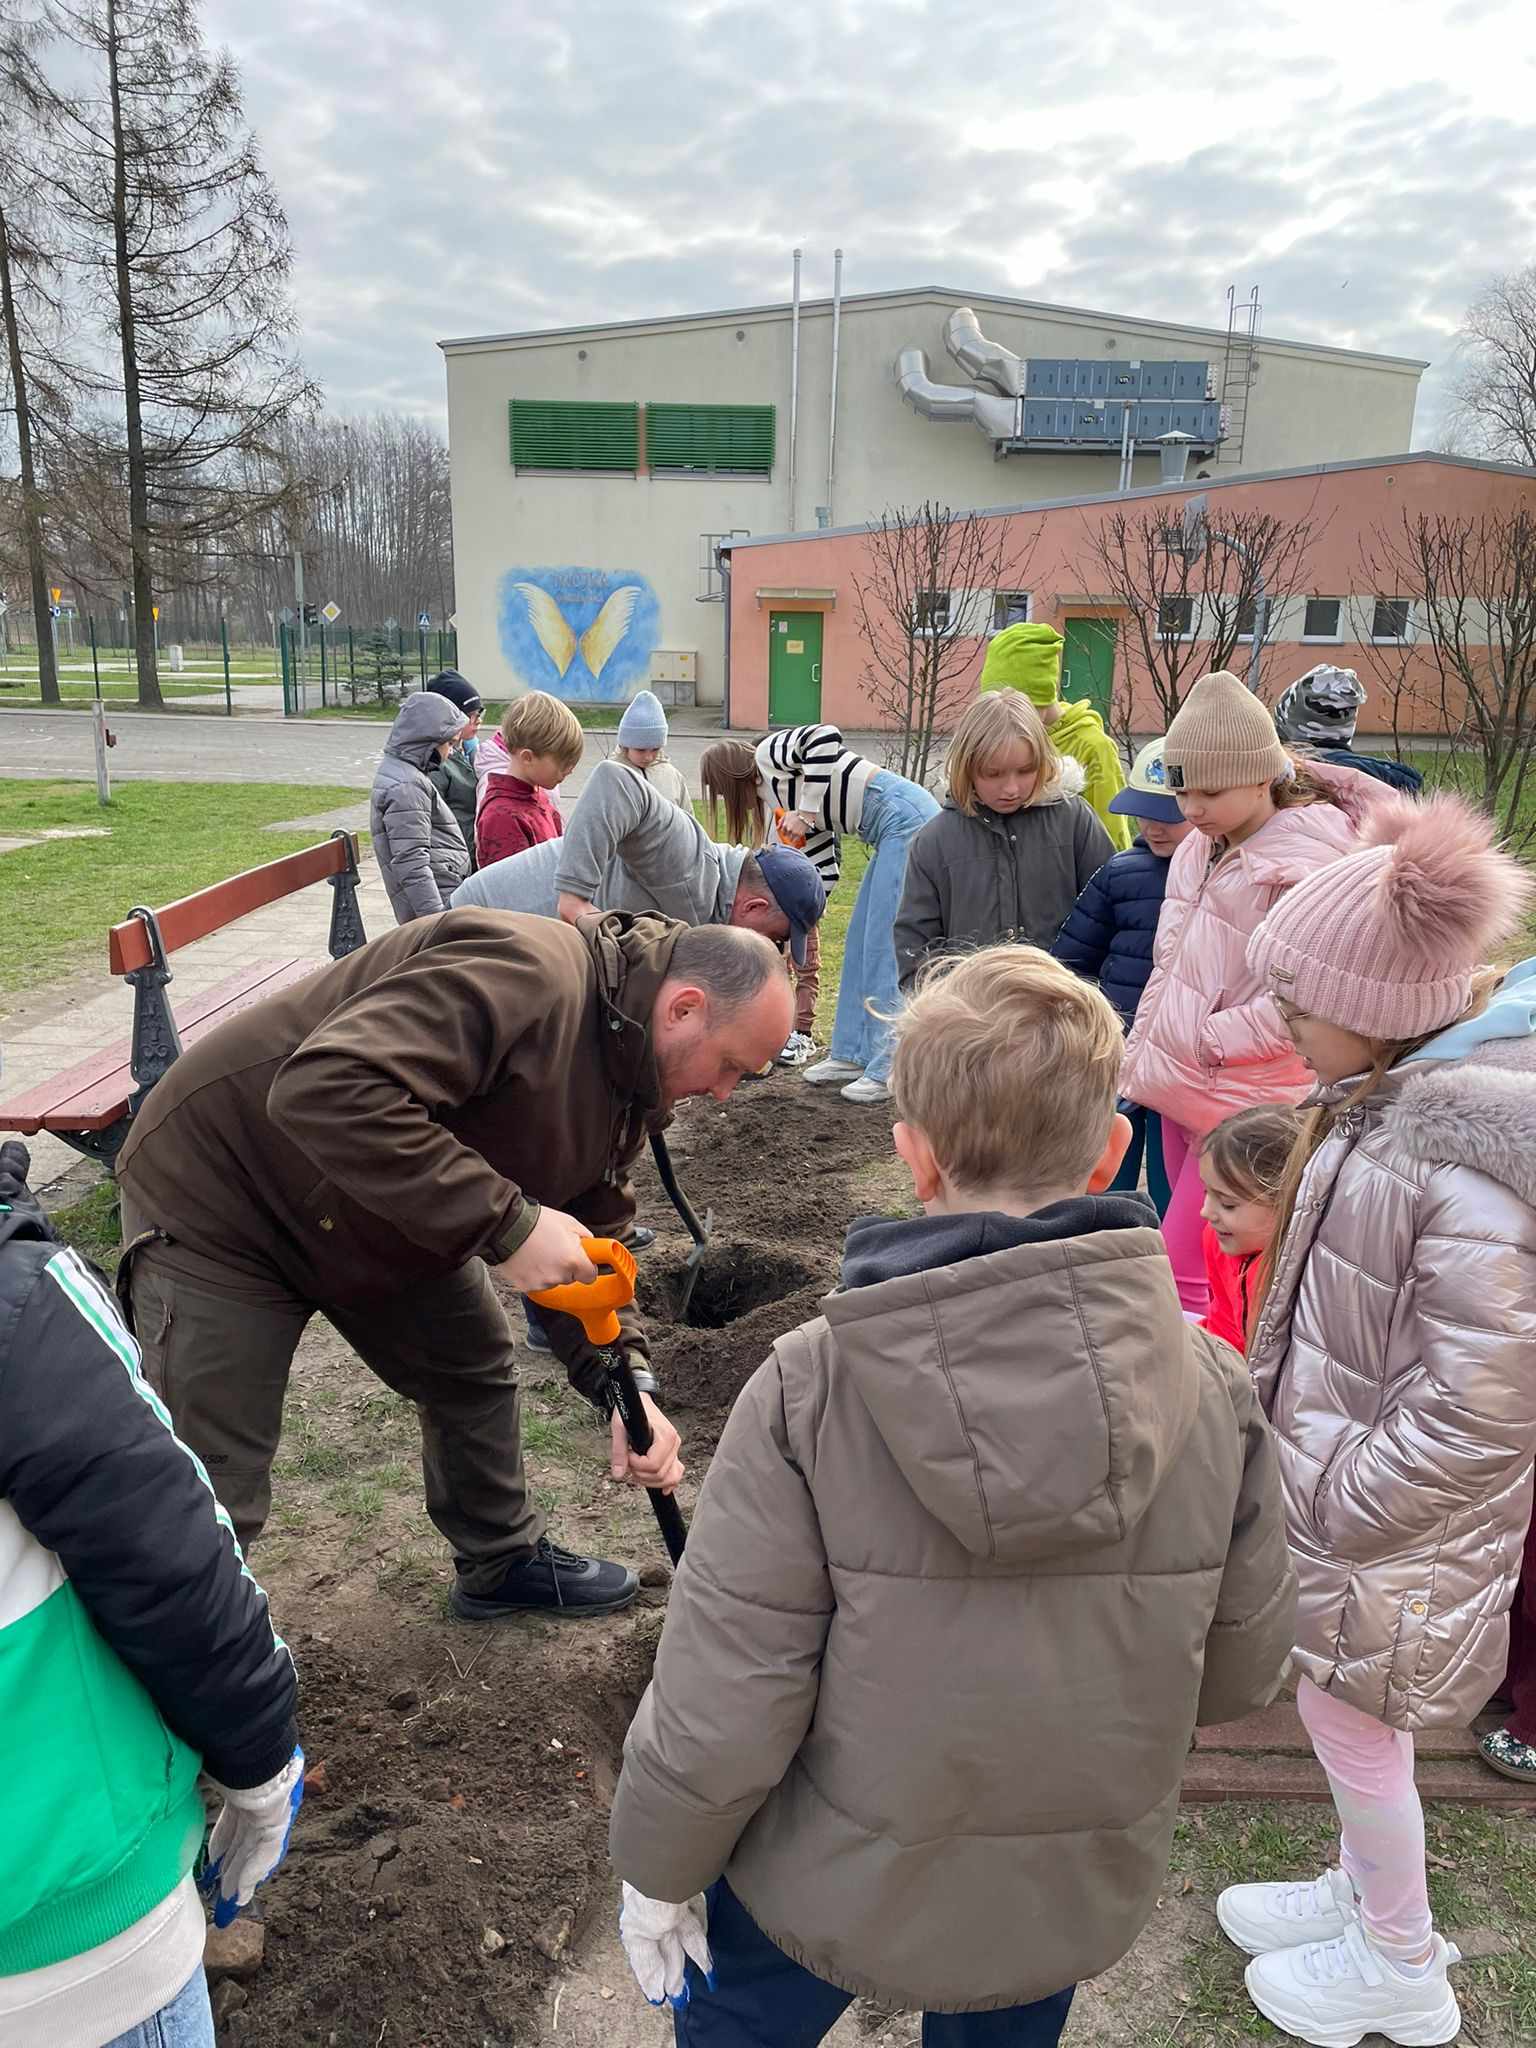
{"points": [[586, 635]]}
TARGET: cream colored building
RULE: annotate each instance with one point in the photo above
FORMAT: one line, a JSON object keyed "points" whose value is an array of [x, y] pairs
{"points": [[593, 466]]}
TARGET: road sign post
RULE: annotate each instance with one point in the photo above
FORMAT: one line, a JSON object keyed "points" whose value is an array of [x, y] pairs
{"points": [[229, 708]]}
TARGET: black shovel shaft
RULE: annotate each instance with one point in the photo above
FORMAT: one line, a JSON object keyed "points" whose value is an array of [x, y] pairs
{"points": [[637, 1427], [675, 1195]]}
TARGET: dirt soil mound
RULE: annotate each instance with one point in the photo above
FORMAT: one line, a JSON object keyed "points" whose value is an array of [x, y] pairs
{"points": [[454, 1846], [785, 1169]]}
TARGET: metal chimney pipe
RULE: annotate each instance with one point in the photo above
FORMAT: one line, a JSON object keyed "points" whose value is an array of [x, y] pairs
{"points": [[1173, 456], [794, 387], [837, 333]]}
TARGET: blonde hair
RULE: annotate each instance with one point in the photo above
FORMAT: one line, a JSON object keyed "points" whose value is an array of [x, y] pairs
{"points": [[1293, 792], [1250, 1151], [1009, 1065], [728, 775], [543, 725], [1001, 719]]}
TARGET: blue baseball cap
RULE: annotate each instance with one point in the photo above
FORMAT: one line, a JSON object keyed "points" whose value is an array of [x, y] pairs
{"points": [[797, 889], [1146, 793]]}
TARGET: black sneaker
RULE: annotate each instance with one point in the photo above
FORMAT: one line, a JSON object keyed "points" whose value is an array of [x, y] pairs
{"points": [[552, 1581]]}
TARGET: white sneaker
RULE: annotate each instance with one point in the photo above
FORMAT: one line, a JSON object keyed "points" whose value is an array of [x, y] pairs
{"points": [[1263, 1917], [798, 1048], [865, 1090], [826, 1072], [1333, 1993]]}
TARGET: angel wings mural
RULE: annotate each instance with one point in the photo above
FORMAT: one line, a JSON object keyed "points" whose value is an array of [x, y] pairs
{"points": [[582, 634]]}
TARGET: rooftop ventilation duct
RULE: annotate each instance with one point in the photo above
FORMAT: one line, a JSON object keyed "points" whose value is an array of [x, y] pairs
{"points": [[987, 361], [996, 417]]}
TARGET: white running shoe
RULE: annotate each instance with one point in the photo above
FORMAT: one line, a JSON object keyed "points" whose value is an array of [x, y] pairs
{"points": [[798, 1048], [827, 1072], [1333, 1993], [1263, 1917], [865, 1090]]}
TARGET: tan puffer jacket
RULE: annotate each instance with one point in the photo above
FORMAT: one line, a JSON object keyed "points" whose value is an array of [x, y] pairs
{"points": [[974, 1552], [1396, 1360]]}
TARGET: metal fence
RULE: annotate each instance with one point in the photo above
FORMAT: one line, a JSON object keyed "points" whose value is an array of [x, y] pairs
{"points": [[343, 667]]}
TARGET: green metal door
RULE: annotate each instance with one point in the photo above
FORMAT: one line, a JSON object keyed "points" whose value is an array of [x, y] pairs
{"points": [[1088, 663], [794, 668]]}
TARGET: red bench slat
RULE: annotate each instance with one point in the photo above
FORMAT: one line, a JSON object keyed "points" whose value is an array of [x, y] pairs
{"points": [[94, 1094], [209, 910]]}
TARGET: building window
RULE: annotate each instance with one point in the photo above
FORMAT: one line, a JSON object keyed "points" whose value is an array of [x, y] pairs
{"points": [[1392, 618], [1322, 619], [1009, 608], [930, 611], [1247, 612], [1176, 618], [564, 438], [709, 440]]}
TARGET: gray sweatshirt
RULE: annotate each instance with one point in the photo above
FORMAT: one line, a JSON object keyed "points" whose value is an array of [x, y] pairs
{"points": [[625, 847]]}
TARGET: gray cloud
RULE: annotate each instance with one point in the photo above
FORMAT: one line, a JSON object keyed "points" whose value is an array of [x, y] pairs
{"points": [[451, 169]]}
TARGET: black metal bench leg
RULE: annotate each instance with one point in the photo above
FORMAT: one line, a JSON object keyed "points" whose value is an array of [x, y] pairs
{"points": [[347, 932]]}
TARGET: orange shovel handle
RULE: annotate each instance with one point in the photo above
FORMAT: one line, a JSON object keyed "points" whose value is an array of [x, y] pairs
{"points": [[595, 1303]]}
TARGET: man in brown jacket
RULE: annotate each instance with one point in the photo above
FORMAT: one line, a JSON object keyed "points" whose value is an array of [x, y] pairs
{"points": [[461, 1097], [979, 1547]]}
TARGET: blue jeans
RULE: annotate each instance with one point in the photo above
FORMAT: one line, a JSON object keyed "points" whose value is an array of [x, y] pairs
{"points": [[894, 811], [187, 2022], [761, 1996], [1146, 1143]]}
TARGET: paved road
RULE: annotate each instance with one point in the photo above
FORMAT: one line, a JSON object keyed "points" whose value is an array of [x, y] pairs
{"points": [[171, 747], [175, 747]]}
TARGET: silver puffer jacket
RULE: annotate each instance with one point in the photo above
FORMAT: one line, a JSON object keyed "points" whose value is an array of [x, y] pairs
{"points": [[1396, 1360], [416, 838]]}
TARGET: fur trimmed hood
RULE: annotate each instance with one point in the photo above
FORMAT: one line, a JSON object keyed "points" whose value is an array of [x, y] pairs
{"points": [[1478, 1112]]}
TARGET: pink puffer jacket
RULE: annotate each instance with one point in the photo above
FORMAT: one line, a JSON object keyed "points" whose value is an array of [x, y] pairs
{"points": [[1394, 1357], [1208, 1039]]}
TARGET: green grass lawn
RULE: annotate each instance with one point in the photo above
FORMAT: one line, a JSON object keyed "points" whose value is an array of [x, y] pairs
{"points": [[166, 838]]}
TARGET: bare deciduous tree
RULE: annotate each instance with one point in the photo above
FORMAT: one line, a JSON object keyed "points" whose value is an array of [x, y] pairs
{"points": [[178, 231], [923, 602], [1191, 604], [1466, 662], [1493, 410]]}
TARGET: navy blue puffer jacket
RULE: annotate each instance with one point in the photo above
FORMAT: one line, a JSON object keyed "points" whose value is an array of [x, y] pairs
{"points": [[1109, 936]]}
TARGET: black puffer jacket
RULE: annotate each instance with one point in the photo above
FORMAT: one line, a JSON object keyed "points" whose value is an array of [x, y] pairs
{"points": [[91, 1471], [975, 880]]}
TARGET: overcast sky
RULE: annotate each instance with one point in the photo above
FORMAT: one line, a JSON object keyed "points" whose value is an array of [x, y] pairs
{"points": [[457, 167]]}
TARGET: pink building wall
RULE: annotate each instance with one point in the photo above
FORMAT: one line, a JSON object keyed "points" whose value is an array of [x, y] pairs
{"points": [[1347, 504]]}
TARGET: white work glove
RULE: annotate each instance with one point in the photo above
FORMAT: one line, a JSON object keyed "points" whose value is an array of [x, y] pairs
{"points": [[658, 1938], [250, 1838]]}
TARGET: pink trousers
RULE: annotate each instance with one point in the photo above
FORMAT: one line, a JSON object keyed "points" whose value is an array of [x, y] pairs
{"points": [[1381, 1822], [1183, 1225]]}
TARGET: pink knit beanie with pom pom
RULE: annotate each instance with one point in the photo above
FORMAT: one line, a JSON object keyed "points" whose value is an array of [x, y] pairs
{"points": [[1385, 941]]}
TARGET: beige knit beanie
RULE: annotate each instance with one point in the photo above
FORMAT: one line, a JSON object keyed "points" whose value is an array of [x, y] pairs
{"points": [[1222, 738]]}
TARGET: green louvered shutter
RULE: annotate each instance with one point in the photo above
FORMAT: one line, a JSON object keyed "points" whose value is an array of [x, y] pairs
{"points": [[550, 433], [709, 440]]}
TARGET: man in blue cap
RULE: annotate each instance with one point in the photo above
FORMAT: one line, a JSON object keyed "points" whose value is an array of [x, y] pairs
{"points": [[626, 848]]}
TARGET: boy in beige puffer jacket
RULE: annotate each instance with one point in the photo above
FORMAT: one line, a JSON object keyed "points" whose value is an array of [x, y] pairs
{"points": [[978, 1548]]}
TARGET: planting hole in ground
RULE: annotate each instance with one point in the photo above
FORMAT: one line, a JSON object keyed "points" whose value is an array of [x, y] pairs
{"points": [[734, 1279]]}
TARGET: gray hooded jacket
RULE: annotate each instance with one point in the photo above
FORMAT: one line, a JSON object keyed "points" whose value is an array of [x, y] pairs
{"points": [[416, 839]]}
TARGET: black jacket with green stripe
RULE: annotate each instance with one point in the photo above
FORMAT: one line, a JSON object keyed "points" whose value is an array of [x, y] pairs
{"points": [[134, 1643]]}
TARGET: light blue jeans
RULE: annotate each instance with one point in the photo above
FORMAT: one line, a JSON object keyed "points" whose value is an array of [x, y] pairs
{"points": [[894, 811], [187, 2022]]}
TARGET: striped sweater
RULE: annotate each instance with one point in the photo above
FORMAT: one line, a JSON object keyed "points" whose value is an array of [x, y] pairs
{"points": [[807, 768]]}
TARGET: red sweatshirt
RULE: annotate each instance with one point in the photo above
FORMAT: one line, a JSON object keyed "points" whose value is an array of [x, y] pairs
{"points": [[514, 816], [1232, 1278]]}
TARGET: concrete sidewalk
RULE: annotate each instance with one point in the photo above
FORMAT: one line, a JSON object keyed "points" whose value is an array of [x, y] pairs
{"points": [[56, 1027]]}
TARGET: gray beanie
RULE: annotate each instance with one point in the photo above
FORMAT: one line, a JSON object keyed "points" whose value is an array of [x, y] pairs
{"points": [[644, 723]]}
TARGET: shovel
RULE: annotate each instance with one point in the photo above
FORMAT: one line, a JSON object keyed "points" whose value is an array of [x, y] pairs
{"points": [[698, 1231], [595, 1305]]}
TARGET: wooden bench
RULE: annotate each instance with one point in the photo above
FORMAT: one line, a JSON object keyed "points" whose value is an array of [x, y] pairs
{"points": [[92, 1105]]}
